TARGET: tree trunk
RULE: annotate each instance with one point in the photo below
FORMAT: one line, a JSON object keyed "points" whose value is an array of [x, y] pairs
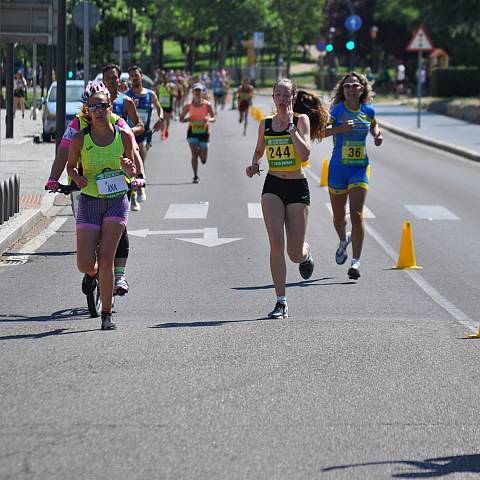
{"points": [[191, 55], [223, 51], [289, 52]]}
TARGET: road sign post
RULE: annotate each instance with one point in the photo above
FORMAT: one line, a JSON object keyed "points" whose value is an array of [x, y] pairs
{"points": [[85, 16], [352, 24], [419, 43]]}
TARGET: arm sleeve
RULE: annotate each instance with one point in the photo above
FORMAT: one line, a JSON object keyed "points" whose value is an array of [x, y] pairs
{"points": [[72, 129]]}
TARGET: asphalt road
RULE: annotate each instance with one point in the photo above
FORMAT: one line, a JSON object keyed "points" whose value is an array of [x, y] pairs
{"points": [[365, 380]]}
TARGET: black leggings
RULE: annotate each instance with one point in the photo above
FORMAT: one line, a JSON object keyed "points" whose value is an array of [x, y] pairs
{"points": [[123, 246]]}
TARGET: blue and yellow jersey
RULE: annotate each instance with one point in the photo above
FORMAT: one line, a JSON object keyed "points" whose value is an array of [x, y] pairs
{"points": [[350, 148]]}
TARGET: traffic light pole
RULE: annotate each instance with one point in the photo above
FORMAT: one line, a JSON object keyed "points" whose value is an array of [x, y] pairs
{"points": [[61, 71]]}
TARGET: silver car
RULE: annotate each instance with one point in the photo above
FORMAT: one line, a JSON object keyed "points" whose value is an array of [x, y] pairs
{"points": [[73, 106]]}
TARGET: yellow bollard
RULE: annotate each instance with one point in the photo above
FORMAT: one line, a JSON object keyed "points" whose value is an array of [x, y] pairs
{"points": [[406, 257], [324, 177]]}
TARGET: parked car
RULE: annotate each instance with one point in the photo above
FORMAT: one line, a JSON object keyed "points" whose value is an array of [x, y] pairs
{"points": [[73, 106]]}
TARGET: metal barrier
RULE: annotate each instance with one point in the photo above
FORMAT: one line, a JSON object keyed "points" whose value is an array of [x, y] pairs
{"points": [[9, 197]]}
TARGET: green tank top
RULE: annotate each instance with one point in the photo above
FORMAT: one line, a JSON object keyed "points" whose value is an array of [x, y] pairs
{"points": [[164, 96], [102, 167]]}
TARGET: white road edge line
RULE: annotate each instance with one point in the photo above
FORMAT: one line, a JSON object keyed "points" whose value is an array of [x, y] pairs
{"points": [[33, 245], [434, 294]]}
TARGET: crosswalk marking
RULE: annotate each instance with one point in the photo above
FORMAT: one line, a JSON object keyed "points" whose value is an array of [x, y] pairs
{"points": [[187, 210], [255, 210], [431, 212], [367, 213]]}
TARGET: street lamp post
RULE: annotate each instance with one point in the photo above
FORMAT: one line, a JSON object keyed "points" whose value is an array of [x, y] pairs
{"points": [[373, 36]]}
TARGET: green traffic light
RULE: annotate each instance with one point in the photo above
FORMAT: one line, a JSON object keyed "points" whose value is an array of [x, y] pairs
{"points": [[329, 47], [350, 45], [70, 74]]}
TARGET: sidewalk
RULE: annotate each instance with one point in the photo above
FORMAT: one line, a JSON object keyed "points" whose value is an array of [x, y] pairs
{"points": [[32, 162], [447, 133]]}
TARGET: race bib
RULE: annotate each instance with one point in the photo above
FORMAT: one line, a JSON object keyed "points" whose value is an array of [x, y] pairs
{"points": [[280, 152], [165, 101], [111, 183], [354, 153], [199, 126], [143, 115]]}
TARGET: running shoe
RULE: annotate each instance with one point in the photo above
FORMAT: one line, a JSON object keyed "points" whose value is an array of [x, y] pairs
{"points": [[107, 323], [280, 311], [134, 204], [306, 267], [121, 286], [166, 134], [341, 254], [89, 284], [354, 270], [195, 179], [141, 195]]}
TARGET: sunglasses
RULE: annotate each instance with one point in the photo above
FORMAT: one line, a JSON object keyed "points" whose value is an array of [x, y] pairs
{"points": [[98, 106], [356, 86]]}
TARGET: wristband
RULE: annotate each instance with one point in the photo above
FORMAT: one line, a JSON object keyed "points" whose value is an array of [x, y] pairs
{"points": [[52, 183]]}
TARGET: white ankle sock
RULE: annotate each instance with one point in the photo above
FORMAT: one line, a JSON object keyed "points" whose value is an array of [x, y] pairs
{"points": [[282, 298]]}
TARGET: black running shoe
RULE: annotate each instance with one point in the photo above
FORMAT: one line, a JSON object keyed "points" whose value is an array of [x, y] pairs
{"points": [[89, 284], [107, 323], [195, 179], [354, 271], [306, 267], [280, 311]]}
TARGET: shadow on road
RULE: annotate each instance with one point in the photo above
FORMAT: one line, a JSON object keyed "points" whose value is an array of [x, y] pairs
{"points": [[213, 323], [305, 283], [37, 336], [428, 468], [55, 316]]}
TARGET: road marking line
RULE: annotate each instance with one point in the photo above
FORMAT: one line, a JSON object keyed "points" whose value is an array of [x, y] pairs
{"points": [[33, 245], [187, 210], [255, 210], [431, 212], [434, 294]]}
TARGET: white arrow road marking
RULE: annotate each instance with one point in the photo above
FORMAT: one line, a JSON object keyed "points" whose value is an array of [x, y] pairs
{"points": [[210, 236], [146, 231]]}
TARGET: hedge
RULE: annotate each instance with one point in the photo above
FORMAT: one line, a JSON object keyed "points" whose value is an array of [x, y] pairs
{"points": [[455, 82]]}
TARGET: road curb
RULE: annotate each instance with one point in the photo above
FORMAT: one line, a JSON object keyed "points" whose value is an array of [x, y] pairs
{"points": [[20, 224], [448, 147]]}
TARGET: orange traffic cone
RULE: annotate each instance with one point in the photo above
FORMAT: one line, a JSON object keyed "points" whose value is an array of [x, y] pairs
{"points": [[406, 258], [324, 177], [475, 335]]}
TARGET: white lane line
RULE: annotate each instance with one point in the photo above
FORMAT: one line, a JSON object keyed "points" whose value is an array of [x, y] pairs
{"points": [[367, 213], [431, 212], [33, 245], [187, 210], [255, 210], [434, 294]]}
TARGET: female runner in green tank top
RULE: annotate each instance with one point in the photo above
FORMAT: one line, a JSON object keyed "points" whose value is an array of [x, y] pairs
{"points": [[105, 153]]}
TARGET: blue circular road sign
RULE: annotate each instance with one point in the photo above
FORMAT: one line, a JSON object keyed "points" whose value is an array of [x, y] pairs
{"points": [[321, 45], [353, 23]]}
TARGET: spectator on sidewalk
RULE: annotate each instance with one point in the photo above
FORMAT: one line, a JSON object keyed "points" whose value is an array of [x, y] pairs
{"points": [[19, 93]]}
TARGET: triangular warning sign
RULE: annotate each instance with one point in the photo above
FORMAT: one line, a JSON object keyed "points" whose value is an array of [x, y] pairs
{"points": [[420, 42]]}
